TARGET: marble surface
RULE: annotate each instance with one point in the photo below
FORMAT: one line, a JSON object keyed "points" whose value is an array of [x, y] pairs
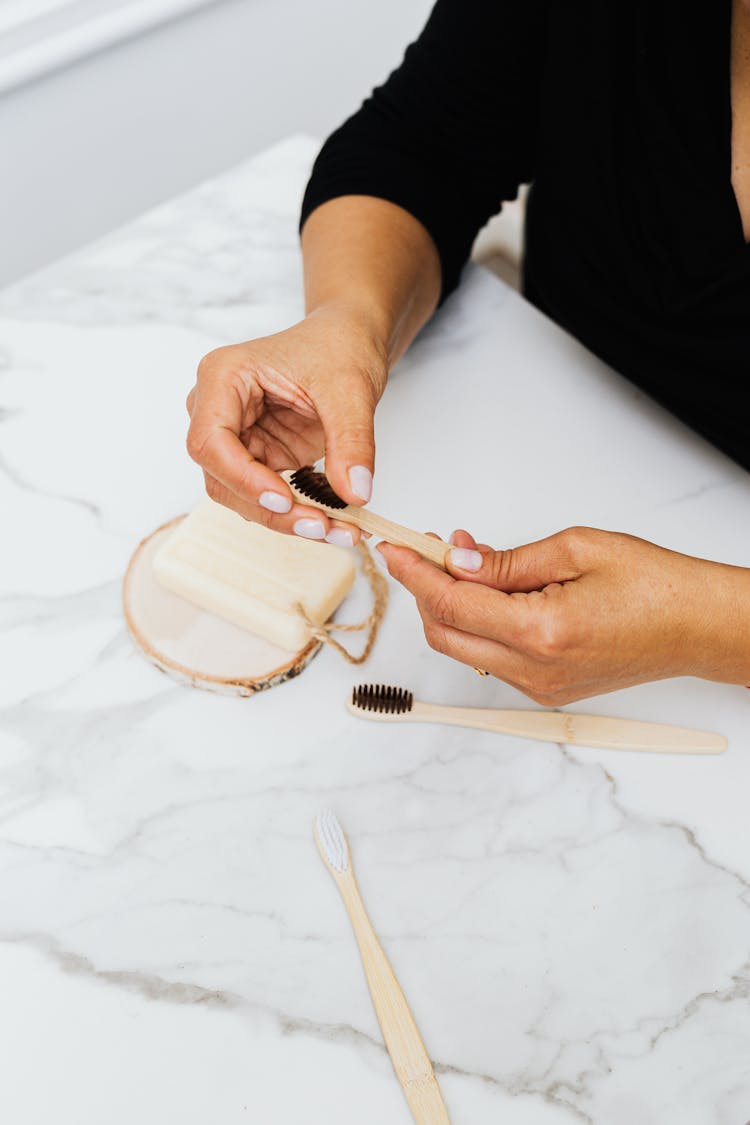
{"points": [[572, 927]]}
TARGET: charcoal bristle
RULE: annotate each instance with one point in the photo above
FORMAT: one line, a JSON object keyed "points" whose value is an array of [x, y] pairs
{"points": [[315, 487], [382, 698]]}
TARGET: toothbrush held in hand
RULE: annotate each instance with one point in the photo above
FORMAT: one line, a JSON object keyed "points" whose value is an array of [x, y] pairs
{"points": [[408, 1055], [309, 486], [393, 704]]}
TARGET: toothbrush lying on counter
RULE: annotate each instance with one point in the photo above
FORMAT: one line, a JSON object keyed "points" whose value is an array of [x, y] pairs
{"points": [[393, 704], [408, 1055], [307, 485]]}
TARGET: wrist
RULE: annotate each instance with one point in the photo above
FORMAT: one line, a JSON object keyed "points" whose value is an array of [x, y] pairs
{"points": [[721, 623]]}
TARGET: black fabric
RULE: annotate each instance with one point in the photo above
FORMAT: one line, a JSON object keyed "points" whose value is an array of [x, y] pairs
{"points": [[619, 114]]}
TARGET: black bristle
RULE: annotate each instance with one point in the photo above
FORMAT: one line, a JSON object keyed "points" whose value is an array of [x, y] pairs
{"points": [[382, 697], [315, 487]]}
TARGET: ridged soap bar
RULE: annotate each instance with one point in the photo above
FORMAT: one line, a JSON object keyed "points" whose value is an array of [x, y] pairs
{"points": [[254, 577]]}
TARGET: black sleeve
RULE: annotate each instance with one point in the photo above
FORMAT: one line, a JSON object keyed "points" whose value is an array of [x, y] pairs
{"points": [[451, 133]]}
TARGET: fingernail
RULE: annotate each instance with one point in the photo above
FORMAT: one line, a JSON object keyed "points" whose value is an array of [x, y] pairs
{"points": [[340, 537], [381, 560], [275, 502], [360, 479], [465, 559], [452, 537], [310, 529]]}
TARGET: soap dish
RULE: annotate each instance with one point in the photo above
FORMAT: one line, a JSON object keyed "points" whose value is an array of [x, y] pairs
{"points": [[194, 647]]}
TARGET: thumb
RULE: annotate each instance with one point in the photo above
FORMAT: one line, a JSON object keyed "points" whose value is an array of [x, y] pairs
{"points": [[347, 413], [519, 569]]}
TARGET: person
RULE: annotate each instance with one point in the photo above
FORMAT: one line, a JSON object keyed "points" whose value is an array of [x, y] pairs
{"points": [[631, 122]]}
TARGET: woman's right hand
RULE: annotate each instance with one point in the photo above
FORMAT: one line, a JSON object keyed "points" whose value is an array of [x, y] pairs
{"points": [[283, 401]]}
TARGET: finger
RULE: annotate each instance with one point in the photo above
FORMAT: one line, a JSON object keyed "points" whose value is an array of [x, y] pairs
{"points": [[516, 669], [347, 414], [219, 415], [343, 534], [479, 652], [519, 569], [473, 608], [461, 538], [308, 523]]}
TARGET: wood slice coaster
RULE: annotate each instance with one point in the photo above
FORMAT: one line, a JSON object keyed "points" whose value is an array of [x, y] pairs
{"points": [[195, 647]]}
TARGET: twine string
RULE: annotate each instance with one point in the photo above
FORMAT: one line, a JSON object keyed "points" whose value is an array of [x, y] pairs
{"points": [[379, 589]]}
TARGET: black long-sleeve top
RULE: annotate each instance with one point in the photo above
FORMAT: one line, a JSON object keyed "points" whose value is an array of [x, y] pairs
{"points": [[618, 112]]}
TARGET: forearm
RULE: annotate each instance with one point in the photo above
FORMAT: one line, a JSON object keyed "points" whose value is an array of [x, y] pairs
{"points": [[375, 263]]}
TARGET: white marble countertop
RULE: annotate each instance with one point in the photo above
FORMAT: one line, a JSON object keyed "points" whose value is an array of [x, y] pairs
{"points": [[572, 928]]}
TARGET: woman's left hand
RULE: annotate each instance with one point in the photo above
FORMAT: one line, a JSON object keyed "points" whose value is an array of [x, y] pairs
{"points": [[582, 612]]}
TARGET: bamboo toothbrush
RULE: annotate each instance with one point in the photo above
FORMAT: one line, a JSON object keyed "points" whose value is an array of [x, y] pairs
{"points": [[393, 704], [309, 485], [408, 1055]]}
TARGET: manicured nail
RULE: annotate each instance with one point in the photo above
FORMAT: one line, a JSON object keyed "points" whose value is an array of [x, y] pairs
{"points": [[340, 537], [310, 529], [275, 502], [465, 559], [360, 479], [452, 537]]}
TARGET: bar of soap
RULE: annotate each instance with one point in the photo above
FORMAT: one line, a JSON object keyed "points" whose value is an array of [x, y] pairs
{"points": [[254, 577]]}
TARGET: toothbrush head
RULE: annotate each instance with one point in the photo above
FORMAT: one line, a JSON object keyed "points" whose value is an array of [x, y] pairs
{"points": [[331, 842], [382, 698], [314, 486]]}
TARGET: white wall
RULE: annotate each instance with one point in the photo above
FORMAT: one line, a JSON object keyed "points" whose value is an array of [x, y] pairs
{"points": [[87, 147]]}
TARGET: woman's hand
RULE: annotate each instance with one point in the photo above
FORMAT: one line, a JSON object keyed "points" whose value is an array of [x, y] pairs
{"points": [[582, 612], [280, 402]]}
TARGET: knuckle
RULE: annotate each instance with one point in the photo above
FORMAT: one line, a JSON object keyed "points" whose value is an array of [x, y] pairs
{"points": [[550, 641], [209, 360], [503, 565], [358, 437], [543, 698], [548, 635], [546, 687], [575, 540], [558, 698], [547, 694], [435, 635], [243, 484], [214, 490], [406, 569], [267, 519], [195, 444], [444, 606], [562, 698], [528, 684]]}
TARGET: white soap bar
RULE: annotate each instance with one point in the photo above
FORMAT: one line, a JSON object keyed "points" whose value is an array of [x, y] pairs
{"points": [[254, 577]]}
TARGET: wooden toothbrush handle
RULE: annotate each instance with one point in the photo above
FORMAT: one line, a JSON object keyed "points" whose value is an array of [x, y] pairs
{"points": [[577, 730], [405, 1047], [630, 734], [434, 550]]}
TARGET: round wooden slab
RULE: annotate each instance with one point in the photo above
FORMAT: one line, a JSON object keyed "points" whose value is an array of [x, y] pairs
{"points": [[195, 647]]}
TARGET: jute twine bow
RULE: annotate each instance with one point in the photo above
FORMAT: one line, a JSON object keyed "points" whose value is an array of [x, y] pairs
{"points": [[379, 589]]}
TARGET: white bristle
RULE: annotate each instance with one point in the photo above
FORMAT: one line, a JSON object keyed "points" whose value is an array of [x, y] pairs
{"points": [[332, 840]]}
